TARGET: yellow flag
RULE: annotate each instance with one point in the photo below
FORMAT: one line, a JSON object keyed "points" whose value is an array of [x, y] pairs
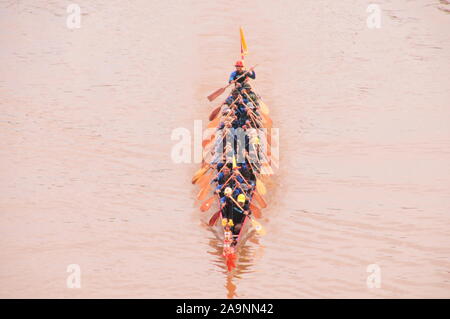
{"points": [[244, 49], [234, 162]]}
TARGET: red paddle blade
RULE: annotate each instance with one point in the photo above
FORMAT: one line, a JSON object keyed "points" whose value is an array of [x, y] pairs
{"points": [[205, 142], [214, 218], [255, 211], [214, 113], [207, 204]]}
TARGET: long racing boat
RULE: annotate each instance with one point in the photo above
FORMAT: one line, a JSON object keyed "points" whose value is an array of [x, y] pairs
{"points": [[236, 162]]}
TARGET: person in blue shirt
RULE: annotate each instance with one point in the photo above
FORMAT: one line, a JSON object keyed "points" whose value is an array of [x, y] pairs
{"points": [[240, 70]]}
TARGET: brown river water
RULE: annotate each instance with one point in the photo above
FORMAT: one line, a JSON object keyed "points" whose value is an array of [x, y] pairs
{"points": [[87, 178]]}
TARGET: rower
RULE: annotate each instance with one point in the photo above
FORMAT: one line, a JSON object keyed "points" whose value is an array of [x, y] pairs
{"points": [[234, 95], [226, 205], [240, 71], [223, 176], [248, 175], [247, 93], [241, 211]]}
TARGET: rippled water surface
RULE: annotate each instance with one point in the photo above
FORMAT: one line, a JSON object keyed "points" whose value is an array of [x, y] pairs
{"points": [[86, 117]]}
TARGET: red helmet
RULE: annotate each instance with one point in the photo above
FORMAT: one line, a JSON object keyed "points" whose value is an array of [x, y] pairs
{"points": [[239, 63]]}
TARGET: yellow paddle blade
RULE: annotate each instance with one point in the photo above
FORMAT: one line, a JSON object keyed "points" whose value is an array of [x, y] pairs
{"points": [[205, 179], [264, 108], [260, 187], [267, 122], [214, 123], [258, 227], [200, 173], [266, 169], [203, 192]]}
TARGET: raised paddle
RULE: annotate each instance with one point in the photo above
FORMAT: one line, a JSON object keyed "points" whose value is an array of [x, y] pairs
{"points": [[262, 106], [260, 187], [215, 122], [219, 92], [264, 109], [265, 119]]}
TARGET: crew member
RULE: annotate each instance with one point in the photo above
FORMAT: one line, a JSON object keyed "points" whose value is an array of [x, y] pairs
{"points": [[237, 75]]}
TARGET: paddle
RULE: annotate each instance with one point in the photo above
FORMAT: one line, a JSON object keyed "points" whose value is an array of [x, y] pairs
{"points": [[264, 111], [206, 141], [219, 92], [207, 204], [204, 192], [214, 123], [260, 187], [255, 210], [259, 199], [267, 120], [200, 173], [258, 227], [214, 218], [266, 169], [262, 106], [214, 113], [205, 179]]}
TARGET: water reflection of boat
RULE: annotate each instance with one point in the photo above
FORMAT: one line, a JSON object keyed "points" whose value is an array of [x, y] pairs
{"points": [[245, 262]]}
